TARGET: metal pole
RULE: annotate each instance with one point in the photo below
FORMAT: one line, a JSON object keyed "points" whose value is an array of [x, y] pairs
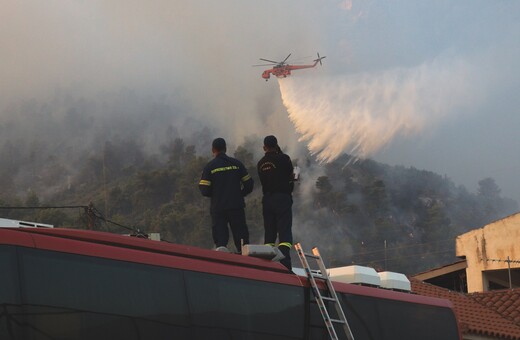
{"points": [[90, 216], [105, 181], [385, 256], [509, 272]]}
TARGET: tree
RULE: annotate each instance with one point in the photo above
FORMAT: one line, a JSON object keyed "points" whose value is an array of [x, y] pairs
{"points": [[245, 156], [323, 185], [376, 199], [488, 188], [176, 151], [491, 202], [188, 155], [32, 199]]}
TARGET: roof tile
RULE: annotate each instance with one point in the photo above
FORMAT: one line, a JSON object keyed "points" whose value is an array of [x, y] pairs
{"points": [[506, 302], [473, 316]]}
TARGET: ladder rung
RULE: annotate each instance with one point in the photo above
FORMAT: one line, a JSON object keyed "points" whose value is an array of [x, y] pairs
{"points": [[337, 321], [319, 299], [328, 298], [311, 255]]}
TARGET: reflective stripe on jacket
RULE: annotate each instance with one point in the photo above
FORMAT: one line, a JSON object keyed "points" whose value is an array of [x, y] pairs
{"points": [[226, 181]]}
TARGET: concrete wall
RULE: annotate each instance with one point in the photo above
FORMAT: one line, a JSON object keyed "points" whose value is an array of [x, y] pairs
{"points": [[497, 240]]}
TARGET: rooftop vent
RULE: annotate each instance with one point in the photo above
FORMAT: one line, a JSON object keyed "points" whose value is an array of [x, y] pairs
{"points": [[299, 271], [395, 281], [355, 274], [6, 223], [262, 251]]}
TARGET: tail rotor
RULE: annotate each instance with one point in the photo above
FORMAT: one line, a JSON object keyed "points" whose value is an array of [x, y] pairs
{"points": [[319, 59]]}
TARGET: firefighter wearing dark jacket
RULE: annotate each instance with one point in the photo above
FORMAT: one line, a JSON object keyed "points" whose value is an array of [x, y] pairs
{"points": [[226, 181], [276, 175]]}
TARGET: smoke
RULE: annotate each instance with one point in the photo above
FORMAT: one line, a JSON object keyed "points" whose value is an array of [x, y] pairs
{"points": [[362, 113], [392, 69], [193, 59]]}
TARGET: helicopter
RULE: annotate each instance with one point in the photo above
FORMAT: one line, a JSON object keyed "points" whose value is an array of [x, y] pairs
{"points": [[281, 69]]}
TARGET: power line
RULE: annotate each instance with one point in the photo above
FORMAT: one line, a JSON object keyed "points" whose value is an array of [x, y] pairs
{"points": [[398, 258], [100, 216], [89, 210], [500, 260], [508, 261], [92, 211], [401, 247]]}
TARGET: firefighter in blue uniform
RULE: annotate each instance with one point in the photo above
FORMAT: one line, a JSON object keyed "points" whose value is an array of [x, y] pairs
{"points": [[226, 181], [276, 175]]}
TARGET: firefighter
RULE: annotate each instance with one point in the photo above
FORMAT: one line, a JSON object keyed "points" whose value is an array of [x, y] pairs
{"points": [[275, 170], [226, 181]]}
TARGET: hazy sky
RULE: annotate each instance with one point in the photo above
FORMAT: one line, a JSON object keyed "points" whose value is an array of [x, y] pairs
{"points": [[457, 60]]}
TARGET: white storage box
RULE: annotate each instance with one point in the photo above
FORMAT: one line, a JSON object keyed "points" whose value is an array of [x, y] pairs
{"points": [[396, 281], [355, 274]]}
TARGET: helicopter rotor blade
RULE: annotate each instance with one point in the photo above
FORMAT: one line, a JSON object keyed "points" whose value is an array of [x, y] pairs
{"points": [[319, 58], [274, 62], [264, 65], [283, 62]]}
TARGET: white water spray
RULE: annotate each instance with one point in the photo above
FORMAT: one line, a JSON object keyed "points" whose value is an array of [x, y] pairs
{"points": [[360, 114]]}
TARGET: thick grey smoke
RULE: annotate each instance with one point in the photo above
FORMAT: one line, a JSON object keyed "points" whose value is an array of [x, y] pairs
{"points": [[458, 61], [197, 55]]}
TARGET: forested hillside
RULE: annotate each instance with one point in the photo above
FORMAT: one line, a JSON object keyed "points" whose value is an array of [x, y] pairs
{"points": [[349, 211], [361, 212]]}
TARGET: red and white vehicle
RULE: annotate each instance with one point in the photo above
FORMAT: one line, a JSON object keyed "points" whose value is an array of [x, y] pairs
{"points": [[76, 284]]}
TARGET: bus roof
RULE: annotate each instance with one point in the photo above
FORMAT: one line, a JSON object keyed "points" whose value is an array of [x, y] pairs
{"points": [[144, 244], [121, 247]]}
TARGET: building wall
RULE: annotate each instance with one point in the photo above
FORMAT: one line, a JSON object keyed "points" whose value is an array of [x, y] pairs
{"points": [[497, 240]]}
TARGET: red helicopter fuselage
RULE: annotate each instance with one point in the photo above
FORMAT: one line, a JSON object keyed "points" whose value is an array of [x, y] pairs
{"points": [[282, 71]]}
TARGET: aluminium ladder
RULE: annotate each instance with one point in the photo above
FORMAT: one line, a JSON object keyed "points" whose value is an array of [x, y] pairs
{"points": [[320, 299]]}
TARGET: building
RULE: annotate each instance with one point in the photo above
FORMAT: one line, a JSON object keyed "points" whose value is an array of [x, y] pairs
{"points": [[451, 276], [484, 286], [492, 255], [490, 259]]}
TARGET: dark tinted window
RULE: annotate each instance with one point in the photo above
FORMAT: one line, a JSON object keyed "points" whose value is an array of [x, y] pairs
{"points": [[232, 308], [79, 297], [9, 294], [372, 318]]}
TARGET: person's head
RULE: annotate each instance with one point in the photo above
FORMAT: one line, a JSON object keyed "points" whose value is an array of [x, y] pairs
{"points": [[271, 144], [218, 146]]}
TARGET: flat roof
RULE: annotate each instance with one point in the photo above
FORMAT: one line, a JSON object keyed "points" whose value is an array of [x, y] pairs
{"points": [[442, 270]]}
